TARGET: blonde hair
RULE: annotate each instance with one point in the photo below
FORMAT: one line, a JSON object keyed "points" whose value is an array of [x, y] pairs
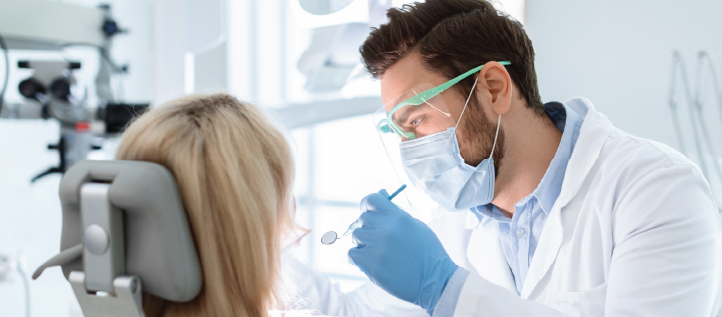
{"points": [[234, 171]]}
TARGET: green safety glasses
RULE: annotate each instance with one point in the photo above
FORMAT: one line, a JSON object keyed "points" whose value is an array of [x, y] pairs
{"points": [[422, 111]]}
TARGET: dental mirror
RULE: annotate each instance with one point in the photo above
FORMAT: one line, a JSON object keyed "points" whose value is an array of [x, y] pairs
{"points": [[329, 237]]}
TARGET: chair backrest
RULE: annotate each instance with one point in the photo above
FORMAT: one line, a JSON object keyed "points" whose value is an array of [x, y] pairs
{"points": [[158, 245]]}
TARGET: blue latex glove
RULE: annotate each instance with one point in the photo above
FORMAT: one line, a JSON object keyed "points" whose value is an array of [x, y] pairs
{"points": [[399, 253]]}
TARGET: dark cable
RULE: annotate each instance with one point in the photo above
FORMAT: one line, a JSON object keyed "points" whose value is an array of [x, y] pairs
{"points": [[4, 47]]}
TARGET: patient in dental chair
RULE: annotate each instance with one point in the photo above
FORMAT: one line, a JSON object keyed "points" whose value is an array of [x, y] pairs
{"points": [[235, 172]]}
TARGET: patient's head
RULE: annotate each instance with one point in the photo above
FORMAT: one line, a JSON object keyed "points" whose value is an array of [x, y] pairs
{"points": [[234, 171]]}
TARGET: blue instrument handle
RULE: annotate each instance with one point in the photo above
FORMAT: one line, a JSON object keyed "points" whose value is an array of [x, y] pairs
{"points": [[354, 225]]}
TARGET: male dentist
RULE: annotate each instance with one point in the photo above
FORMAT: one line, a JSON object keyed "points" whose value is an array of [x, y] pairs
{"points": [[558, 213]]}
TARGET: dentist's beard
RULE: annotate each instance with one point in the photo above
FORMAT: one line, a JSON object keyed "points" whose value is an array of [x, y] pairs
{"points": [[476, 137]]}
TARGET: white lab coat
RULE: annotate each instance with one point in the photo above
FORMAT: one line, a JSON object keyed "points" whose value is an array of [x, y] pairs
{"points": [[634, 232]]}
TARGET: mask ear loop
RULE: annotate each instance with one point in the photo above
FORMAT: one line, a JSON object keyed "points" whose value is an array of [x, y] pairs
{"points": [[467, 102], [498, 124]]}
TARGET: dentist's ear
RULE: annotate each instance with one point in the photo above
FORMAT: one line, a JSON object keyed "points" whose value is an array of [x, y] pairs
{"points": [[495, 88]]}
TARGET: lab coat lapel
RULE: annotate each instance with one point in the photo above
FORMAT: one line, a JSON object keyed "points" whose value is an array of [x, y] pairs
{"points": [[485, 254], [592, 136]]}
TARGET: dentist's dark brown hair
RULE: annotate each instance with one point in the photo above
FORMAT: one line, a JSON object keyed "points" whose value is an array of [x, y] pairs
{"points": [[452, 37]]}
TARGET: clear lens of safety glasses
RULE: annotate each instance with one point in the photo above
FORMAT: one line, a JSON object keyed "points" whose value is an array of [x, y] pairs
{"points": [[416, 113]]}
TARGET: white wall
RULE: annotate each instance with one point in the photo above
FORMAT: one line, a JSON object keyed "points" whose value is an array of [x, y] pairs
{"points": [[618, 54], [169, 29], [190, 51]]}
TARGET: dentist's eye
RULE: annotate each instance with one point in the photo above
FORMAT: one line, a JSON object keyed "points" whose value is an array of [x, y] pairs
{"points": [[417, 122]]}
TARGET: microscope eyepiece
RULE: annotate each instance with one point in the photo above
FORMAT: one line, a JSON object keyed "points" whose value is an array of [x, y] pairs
{"points": [[30, 87]]}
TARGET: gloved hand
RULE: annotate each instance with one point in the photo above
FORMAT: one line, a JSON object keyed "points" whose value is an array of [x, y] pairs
{"points": [[399, 253]]}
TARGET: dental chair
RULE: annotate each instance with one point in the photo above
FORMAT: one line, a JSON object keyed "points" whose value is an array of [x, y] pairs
{"points": [[124, 232]]}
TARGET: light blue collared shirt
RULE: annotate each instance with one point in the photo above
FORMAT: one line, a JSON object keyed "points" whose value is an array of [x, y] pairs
{"points": [[519, 235]]}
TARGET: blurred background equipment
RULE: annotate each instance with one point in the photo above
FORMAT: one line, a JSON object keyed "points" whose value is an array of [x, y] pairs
{"points": [[12, 269], [695, 98], [339, 28], [52, 91]]}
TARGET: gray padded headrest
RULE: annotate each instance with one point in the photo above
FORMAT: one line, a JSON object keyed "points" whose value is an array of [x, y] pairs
{"points": [[159, 247]]}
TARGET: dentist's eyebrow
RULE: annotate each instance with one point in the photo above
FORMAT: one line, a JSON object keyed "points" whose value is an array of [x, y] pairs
{"points": [[406, 113]]}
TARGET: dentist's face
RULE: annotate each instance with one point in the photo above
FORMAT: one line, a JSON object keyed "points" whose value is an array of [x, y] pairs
{"points": [[476, 130]]}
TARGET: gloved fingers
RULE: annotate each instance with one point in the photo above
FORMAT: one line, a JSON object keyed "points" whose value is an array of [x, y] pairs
{"points": [[359, 244], [352, 253], [372, 219], [359, 258], [362, 236], [365, 205], [376, 202], [384, 193]]}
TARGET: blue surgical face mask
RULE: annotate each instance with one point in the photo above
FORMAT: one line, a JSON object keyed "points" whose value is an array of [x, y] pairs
{"points": [[434, 164]]}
